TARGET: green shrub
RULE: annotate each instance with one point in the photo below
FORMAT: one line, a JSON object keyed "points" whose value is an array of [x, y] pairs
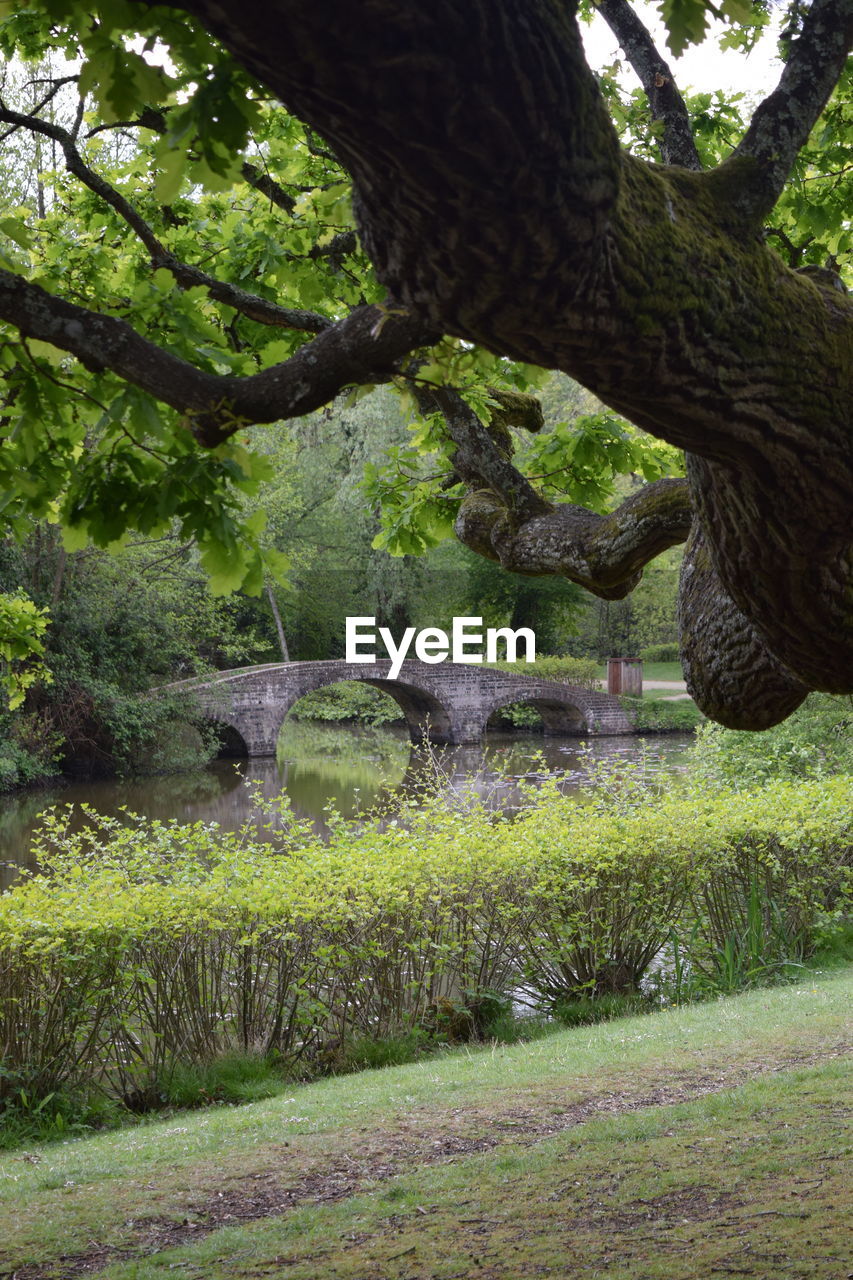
{"points": [[662, 715], [27, 1114], [350, 701], [146, 949], [18, 768], [517, 715], [816, 741], [660, 653], [581, 672], [29, 750]]}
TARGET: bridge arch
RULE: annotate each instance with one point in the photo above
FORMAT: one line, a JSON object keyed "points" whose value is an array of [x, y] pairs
{"points": [[448, 703], [232, 744], [560, 715], [250, 706], [425, 714]]}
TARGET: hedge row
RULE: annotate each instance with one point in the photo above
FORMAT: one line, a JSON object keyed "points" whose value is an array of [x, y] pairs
{"points": [[149, 944], [660, 653], [580, 672]]}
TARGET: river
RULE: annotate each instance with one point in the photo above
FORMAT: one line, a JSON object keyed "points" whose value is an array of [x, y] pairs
{"points": [[319, 764]]}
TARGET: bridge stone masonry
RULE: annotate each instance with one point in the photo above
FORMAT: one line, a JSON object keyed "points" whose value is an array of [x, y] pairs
{"points": [[448, 703]]}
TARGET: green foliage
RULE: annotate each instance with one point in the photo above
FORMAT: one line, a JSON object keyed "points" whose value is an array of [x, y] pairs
{"points": [[579, 460], [28, 1116], [107, 645], [660, 653], [30, 750], [516, 715], [119, 460], [815, 742], [22, 628], [580, 672], [348, 700], [586, 1011], [662, 715], [145, 945]]}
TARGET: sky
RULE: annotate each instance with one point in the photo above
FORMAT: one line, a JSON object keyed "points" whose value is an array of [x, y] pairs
{"points": [[703, 67]]}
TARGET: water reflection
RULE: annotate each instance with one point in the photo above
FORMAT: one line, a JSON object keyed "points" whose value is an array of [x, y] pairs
{"points": [[352, 768]]}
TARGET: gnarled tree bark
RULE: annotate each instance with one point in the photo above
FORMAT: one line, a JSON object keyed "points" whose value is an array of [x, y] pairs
{"points": [[497, 205]]}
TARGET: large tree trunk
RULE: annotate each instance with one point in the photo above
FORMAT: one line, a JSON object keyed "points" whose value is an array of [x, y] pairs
{"points": [[496, 204]]}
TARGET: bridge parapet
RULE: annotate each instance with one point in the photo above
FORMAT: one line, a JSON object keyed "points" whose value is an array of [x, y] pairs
{"points": [[448, 702]]}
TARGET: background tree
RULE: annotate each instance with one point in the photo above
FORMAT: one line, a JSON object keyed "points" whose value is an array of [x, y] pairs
{"points": [[497, 205]]}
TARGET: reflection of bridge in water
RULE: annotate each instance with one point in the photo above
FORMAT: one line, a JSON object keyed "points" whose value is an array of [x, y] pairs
{"points": [[447, 702]]}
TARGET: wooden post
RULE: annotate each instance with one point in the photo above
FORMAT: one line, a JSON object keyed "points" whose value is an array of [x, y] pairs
{"points": [[614, 676], [632, 677], [625, 677]]}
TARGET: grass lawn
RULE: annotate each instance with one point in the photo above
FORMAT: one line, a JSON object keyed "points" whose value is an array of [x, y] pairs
{"points": [[699, 1141], [663, 671]]}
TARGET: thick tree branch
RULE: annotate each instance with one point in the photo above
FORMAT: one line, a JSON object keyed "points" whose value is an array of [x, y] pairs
{"points": [[606, 554], [364, 347], [782, 123], [676, 144], [504, 518], [451, 118], [516, 409], [188, 277]]}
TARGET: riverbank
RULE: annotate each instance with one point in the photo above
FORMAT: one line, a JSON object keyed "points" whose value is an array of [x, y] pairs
{"points": [[349, 767], [696, 1140]]}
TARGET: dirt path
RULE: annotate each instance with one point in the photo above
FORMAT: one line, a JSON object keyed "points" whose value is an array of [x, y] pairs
{"points": [[366, 1158], [677, 689]]}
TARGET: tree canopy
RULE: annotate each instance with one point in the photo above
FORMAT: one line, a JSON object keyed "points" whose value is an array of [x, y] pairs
{"points": [[450, 201]]}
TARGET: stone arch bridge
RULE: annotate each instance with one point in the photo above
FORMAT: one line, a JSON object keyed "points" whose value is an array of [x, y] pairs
{"points": [[447, 702]]}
